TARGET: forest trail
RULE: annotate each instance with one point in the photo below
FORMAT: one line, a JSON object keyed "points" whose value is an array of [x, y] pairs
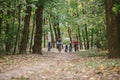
{"points": [[40, 70], [54, 66]]}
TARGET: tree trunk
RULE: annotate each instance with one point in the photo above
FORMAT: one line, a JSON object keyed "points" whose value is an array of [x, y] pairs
{"points": [[37, 47], [44, 39], [7, 44], [84, 41], [101, 38], [58, 31], [69, 33], [18, 30], [55, 31], [44, 32], [52, 30], [32, 34], [87, 38], [113, 29], [92, 38], [25, 37], [52, 36], [57, 28], [79, 37], [1, 22]]}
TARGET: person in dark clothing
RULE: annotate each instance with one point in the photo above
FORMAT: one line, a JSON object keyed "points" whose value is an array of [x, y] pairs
{"points": [[49, 46], [70, 47], [66, 48], [59, 45]]}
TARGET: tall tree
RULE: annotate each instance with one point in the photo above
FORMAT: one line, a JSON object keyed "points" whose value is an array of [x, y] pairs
{"points": [[79, 38], [37, 47], [7, 44], [1, 13], [51, 31], [32, 33], [56, 28], [113, 28], [92, 37], [55, 31], [84, 40], [87, 38], [69, 33], [25, 37], [18, 29]]}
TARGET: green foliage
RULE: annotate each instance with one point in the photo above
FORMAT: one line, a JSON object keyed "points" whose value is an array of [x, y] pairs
{"points": [[66, 42], [69, 13], [78, 13], [116, 9]]}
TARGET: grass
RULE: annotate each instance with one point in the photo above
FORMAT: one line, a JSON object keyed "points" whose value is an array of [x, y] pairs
{"points": [[92, 53], [20, 78], [98, 60]]}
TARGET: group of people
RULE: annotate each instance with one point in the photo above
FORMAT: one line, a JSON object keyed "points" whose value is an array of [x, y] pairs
{"points": [[68, 47]]}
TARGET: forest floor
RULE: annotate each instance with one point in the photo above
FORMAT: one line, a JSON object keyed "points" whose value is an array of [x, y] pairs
{"points": [[82, 65]]}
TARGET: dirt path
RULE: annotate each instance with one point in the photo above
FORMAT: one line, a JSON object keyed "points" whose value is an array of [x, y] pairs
{"points": [[38, 70], [59, 66]]}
